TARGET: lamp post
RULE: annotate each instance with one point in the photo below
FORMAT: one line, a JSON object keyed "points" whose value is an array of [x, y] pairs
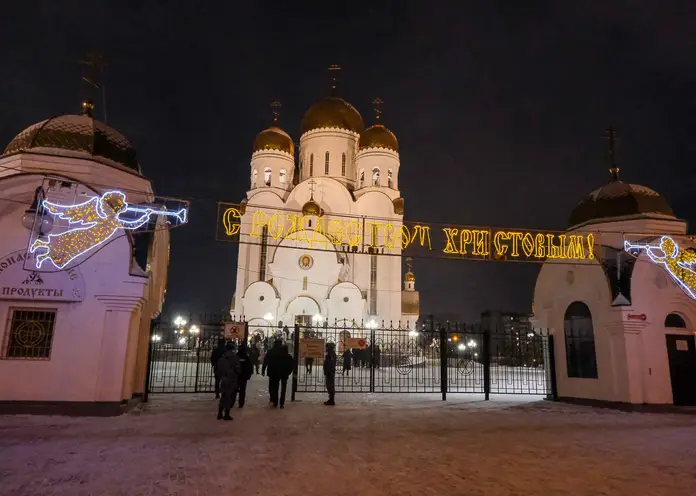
{"points": [[36, 210]]}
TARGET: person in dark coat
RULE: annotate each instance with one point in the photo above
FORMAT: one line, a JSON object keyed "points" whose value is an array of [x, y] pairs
{"points": [[229, 369], [246, 370], [347, 361], [377, 356], [214, 358], [288, 367], [330, 372], [356, 357], [273, 366], [254, 353]]}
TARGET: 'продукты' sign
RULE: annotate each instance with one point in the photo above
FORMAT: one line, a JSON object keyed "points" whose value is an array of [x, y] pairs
{"points": [[19, 284]]}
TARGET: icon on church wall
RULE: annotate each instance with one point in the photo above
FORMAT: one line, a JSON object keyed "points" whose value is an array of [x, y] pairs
{"points": [[306, 261]]}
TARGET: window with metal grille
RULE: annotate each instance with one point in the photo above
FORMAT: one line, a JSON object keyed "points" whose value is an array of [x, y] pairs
{"points": [[30, 334], [343, 164], [326, 163], [264, 251], [311, 165], [373, 284]]}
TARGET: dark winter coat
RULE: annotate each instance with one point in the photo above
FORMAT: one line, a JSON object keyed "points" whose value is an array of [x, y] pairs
{"points": [[330, 363], [347, 360], [245, 364], [254, 353], [274, 361], [228, 369], [216, 354]]}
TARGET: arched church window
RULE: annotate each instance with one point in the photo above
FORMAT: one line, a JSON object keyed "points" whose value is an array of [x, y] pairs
{"points": [[390, 178], [375, 176], [254, 176], [581, 357], [326, 163], [281, 176], [343, 165], [304, 283], [675, 320], [311, 165], [267, 176], [361, 182]]}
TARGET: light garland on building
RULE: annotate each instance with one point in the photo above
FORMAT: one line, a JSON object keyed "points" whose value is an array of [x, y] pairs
{"points": [[100, 218], [679, 263]]}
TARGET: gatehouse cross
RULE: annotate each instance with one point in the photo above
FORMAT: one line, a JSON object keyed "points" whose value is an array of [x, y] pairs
{"points": [[614, 169]]}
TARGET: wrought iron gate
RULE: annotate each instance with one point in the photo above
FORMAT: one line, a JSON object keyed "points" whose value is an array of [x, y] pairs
{"points": [[371, 359]]}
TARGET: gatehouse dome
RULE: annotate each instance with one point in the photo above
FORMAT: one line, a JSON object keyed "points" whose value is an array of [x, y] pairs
{"points": [[79, 136], [618, 201], [274, 138], [332, 112], [378, 136]]}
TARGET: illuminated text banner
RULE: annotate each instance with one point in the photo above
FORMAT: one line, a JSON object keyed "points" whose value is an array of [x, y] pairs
{"points": [[389, 237]]}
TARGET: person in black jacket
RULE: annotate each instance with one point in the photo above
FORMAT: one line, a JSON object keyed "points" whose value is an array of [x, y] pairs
{"points": [[273, 366], [247, 369], [330, 360], [288, 367], [214, 359]]}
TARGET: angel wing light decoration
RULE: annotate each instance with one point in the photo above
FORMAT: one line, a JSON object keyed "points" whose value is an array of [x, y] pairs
{"points": [[96, 220]]}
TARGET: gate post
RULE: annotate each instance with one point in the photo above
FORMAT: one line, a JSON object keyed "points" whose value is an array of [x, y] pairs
{"points": [[551, 369], [296, 360], [444, 359], [153, 325], [487, 363], [371, 364]]}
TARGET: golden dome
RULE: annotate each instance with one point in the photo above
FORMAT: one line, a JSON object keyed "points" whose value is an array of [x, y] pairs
{"points": [[332, 112], [378, 136], [409, 277], [274, 138], [312, 208]]}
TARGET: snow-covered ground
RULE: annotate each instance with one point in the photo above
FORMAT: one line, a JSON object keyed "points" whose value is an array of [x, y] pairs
{"points": [[366, 445]]}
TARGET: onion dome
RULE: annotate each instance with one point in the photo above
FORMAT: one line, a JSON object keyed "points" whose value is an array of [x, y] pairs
{"points": [[274, 138], [618, 200], [312, 208], [332, 112], [378, 136], [409, 277], [79, 136]]}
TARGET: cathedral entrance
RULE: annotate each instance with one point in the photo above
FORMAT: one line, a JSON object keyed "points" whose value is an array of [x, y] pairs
{"points": [[682, 368], [303, 320]]}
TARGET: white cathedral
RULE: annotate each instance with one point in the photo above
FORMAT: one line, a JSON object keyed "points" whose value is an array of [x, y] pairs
{"points": [[345, 172]]}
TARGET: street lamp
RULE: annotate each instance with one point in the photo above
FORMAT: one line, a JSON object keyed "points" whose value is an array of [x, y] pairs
{"points": [[179, 321], [461, 346], [371, 324], [194, 329], [471, 344], [156, 338], [317, 318], [413, 333], [268, 316], [29, 218]]}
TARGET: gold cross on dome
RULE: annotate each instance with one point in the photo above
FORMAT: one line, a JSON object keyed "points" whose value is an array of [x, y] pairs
{"points": [[311, 183], [377, 102], [275, 108], [611, 136]]}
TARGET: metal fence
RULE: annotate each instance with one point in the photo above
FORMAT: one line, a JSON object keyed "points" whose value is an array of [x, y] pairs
{"points": [[371, 359]]}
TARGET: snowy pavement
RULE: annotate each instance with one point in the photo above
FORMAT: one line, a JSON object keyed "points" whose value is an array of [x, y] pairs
{"points": [[367, 445]]}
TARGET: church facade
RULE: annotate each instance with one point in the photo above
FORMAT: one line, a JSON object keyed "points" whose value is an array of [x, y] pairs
{"points": [[342, 173]]}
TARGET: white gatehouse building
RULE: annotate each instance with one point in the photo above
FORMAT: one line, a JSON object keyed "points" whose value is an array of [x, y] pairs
{"points": [[75, 331], [623, 323], [342, 172]]}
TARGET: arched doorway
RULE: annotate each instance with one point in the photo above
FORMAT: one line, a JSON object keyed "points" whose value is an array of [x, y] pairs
{"points": [[581, 357]]}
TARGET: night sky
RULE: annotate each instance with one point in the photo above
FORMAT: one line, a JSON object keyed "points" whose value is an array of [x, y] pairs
{"points": [[499, 109]]}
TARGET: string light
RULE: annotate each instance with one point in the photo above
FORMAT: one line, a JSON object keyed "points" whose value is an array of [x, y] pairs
{"points": [[679, 263], [100, 218]]}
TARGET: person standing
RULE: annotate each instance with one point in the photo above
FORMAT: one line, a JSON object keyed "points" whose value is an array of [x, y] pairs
{"points": [[228, 368], [330, 372], [254, 358], [287, 368], [214, 358], [347, 361], [246, 370], [273, 365]]}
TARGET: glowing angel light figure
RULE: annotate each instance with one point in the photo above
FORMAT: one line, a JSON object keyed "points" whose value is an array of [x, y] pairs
{"points": [[99, 217], [679, 263]]}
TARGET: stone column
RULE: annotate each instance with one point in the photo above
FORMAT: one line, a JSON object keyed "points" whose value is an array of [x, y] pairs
{"points": [[114, 360]]}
